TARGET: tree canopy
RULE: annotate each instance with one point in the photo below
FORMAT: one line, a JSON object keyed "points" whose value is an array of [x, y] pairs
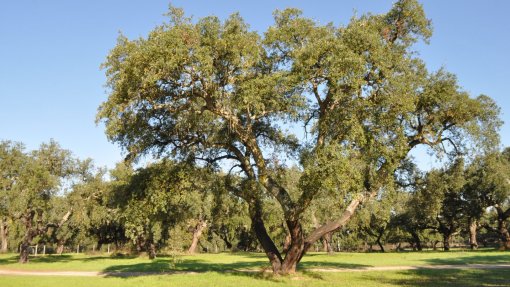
{"points": [[346, 104]]}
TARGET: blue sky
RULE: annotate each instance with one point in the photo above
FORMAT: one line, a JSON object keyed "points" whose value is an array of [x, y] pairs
{"points": [[50, 52]]}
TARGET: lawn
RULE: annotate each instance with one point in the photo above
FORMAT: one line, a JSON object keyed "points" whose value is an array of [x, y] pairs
{"points": [[211, 270]]}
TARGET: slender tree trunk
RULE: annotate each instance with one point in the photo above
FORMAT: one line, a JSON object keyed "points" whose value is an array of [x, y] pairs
{"points": [[197, 233], [378, 241], [4, 236], [472, 234]]}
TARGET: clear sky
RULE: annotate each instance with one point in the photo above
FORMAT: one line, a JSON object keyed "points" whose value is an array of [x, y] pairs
{"points": [[50, 52]]}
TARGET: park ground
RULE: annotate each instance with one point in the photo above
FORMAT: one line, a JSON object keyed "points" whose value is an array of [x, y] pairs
{"points": [[458, 268]]}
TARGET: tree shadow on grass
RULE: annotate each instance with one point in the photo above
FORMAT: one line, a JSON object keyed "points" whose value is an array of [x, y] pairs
{"points": [[9, 260], [485, 259], [259, 270], [449, 277], [37, 259], [330, 265]]}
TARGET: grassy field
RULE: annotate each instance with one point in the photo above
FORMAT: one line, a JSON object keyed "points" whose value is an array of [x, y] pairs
{"points": [[211, 270]]}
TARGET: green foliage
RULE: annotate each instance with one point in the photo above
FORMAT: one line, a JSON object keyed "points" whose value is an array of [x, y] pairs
{"points": [[215, 91], [153, 200]]}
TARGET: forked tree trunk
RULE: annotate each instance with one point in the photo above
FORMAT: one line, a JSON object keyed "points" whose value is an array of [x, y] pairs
{"points": [[298, 244], [296, 249], [197, 233], [326, 243], [472, 234], [4, 235], [434, 245]]}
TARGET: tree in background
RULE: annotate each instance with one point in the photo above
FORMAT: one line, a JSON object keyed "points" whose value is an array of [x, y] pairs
{"points": [[156, 198], [489, 186], [11, 158], [218, 92], [41, 175]]}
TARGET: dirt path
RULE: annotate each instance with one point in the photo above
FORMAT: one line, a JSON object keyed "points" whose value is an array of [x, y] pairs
{"points": [[133, 274]]}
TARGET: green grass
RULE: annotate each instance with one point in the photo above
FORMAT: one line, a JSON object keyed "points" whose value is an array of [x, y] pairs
{"points": [[233, 261], [428, 278], [212, 267]]}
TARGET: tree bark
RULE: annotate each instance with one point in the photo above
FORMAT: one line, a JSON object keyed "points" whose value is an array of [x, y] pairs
{"points": [[417, 241], [286, 243], [197, 233], [152, 251], [257, 223], [446, 241], [378, 241], [28, 237], [4, 236], [333, 225], [60, 249], [326, 243], [472, 234], [504, 235], [296, 249]]}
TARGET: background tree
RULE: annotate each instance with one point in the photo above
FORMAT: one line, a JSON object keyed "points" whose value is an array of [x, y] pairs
{"points": [[156, 198], [41, 177], [489, 186], [11, 159], [219, 92]]}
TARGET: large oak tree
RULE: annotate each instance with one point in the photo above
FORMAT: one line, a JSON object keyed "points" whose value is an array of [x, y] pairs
{"points": [[347, 103]]}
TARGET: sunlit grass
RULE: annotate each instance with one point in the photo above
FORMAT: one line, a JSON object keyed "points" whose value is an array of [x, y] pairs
{"points": [[237, 261], [428, 278], [219, 270]]}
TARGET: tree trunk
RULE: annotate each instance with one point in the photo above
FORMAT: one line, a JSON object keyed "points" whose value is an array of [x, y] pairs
{"points": [[60, 249], [446, 241], [417, 241], [296, 249], [434, 245], [60, 246], [472, 234], [28, 237], [504, 235], [286, 243], [326, 243], [152, 251], [197, 233], [378, 241], [272, 253], [4, 235]]}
